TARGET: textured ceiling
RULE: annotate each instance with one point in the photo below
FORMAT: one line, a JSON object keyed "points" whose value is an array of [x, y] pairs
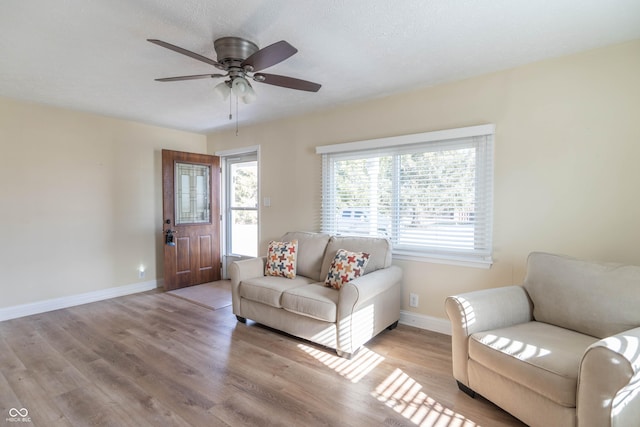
{"points": [[92, 55]]}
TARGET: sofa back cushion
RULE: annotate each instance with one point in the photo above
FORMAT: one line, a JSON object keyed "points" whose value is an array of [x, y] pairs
{"points": [[379, 251], [311, 248], [595, 299]]}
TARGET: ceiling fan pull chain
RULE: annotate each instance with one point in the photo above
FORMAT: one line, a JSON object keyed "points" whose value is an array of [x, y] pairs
{"points": [[230, 115], [236, 115]]}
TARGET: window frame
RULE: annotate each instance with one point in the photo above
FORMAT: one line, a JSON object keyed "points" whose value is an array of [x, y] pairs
{"points": [[232, 207], [480, 137], [227, 157]]}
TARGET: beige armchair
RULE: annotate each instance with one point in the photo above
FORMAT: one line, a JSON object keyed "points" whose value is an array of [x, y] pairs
{"points": [[561, 350]]}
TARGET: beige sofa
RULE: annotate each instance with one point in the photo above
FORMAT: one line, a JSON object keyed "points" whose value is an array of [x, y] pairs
{"points": [[342, 319], [562, 350]]}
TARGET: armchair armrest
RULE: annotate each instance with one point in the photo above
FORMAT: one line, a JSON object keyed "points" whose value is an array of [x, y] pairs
{"points": [[243, 270], [489, 309], [609, 382], [481, 311]]}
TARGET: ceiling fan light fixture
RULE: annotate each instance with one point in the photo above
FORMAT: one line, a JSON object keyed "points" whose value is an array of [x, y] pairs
{"points": [[250, 96], [222, 90], [240, 86]]}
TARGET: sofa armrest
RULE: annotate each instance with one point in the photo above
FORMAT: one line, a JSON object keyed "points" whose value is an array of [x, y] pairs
{"points": [[609, 382], [482, 311], [366, 306], [243, 270], [362, 289], [365, 287]]}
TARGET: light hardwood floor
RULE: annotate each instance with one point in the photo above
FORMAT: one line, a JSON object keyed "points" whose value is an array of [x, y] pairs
{"points": [[152, 359]]}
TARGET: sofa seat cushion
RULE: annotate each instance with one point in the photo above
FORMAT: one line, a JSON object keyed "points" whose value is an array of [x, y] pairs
{"points": [[551, 357], [315, 300], [268, 289]]}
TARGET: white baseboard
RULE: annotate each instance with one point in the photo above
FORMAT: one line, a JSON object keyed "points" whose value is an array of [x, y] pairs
{"points": [[421, 321], [73, 300], [429, 323]]}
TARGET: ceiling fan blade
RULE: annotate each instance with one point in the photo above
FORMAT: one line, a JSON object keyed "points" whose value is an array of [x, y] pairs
{"points": [[288, 82], [270, 55], [197, 76], [185, 52]]}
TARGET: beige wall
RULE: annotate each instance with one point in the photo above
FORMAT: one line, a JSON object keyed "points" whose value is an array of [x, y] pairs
{"points": [[567, 154], [80, 201]]}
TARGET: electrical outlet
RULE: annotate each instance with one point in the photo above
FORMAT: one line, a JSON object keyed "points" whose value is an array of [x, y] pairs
{"points": [[413, 300]]}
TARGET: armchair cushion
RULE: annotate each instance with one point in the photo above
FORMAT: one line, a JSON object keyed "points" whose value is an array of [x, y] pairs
{"points": [[551, 357], [577, 294]]}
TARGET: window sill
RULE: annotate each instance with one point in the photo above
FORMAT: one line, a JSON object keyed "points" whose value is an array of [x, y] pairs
{"points": [[444, 259]]}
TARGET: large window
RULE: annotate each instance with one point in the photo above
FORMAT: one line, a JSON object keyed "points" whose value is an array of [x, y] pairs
{"points": [[430, 193]]}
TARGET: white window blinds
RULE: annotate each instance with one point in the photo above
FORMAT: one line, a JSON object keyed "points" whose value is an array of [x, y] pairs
{"points": [[431, 194]]}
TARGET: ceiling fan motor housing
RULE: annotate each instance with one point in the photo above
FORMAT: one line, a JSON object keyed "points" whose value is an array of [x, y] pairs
{"points": [[232, 51]]}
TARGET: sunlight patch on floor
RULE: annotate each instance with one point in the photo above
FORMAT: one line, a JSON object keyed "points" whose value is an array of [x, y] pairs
{"points": [[405, 396], [398, 391], [354, 369]]}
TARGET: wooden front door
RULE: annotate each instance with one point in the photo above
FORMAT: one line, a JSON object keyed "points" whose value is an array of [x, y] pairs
{"points": [[191, 225]]}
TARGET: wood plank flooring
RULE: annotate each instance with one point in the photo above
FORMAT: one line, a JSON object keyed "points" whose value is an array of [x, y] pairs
{"points": [[151, 359]]}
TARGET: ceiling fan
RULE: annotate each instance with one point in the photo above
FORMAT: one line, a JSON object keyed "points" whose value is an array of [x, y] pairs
{"points": [[242, 61]]}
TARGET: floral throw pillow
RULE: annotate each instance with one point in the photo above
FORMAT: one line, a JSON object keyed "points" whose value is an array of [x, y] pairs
{"points": [[345, 267], [281, 259]]}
